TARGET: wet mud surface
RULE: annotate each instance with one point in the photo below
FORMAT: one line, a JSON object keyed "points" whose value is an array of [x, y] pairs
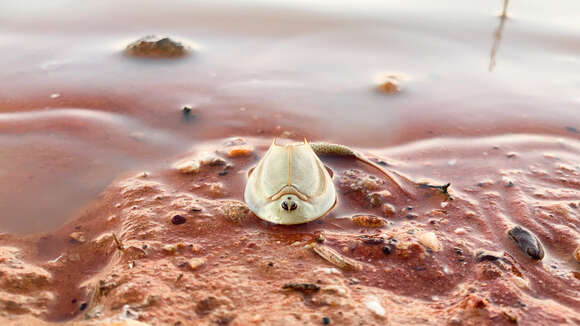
{"points": [[122, 171], [189, 251]]}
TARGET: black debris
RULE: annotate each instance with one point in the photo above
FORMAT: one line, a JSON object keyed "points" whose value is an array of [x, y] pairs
{"points": [[178, 219], [302, 287], [527, 242]]}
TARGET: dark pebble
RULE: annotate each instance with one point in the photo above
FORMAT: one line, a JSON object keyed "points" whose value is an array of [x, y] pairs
{"points": [[178, 219], [83, 306], [271, 264], [144, 247], [325, 320], [411, 216], [74, 301], [387, 250], [187, 113], [527, 242], [222, 173], [302, 287]]}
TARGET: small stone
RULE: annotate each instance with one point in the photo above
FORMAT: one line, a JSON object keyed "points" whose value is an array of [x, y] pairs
{"points": [[178, 219], [195, 248], [194, 208], [527, 242], [389, 209], [187, 113], [507, 182], [577, 253], [387, 250], [308, 288], [216, 189], [460, 231], [430, 240], [389, 83], [78, 237], [374, 200], [195, 263], [190, 166], [325, 320], [369, 221], [152, 46], [211, 159], [372, 303], [240, 151], [170, 249], [511, 155]]}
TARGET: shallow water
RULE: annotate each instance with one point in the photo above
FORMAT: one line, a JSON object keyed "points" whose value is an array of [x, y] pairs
{"points": [[93, 113], [485, 101]]}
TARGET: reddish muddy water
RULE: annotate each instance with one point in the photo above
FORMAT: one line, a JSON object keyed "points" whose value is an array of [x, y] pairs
{"points": [[75, 112], [484, 100]]}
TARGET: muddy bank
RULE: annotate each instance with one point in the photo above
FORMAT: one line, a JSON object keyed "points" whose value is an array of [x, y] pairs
{"points": [[190, 252]]}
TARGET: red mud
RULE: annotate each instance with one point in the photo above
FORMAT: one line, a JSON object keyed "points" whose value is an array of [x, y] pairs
{"points": [[89, 139]]}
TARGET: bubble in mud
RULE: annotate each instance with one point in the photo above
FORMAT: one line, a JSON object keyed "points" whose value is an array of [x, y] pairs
{"points": [[154, 46]]}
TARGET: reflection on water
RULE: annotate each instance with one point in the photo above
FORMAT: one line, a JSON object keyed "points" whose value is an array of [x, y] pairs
{"points": [[497, 35], [298, 67]]}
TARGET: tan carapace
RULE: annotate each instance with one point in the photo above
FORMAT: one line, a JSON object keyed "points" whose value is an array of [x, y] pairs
{"points": [[290, 185]]}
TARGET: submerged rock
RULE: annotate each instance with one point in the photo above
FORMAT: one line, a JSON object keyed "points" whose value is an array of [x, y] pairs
{"points": [[527, 242], [153, 46]]}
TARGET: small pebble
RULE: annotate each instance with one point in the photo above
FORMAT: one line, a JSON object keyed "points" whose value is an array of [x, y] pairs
{"points": [[527, 242], [195, 263], [389, 84], [178, 219], [325, 320], [387, 250], [186, 167], [186, 109], [430, 240], [153, 46], [169, 249], [369, 221], [460, 231], [78, 237], [389, 209], [240, 151]]}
